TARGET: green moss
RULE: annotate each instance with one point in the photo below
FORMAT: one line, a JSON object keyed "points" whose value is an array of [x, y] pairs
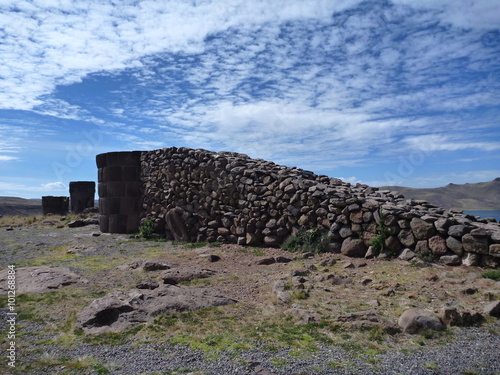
{"points": [[492, 274]]}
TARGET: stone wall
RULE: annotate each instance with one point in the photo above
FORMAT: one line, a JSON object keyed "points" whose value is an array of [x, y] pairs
{"points": [[198, 195], [229, 197]]}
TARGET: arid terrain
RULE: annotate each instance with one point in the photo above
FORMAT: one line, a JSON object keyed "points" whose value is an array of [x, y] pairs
{"points": [[295, 313]]}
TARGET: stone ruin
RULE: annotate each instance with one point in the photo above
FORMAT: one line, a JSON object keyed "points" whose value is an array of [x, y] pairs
{"points": [[55, 205], [198, 195], [82, 195]]}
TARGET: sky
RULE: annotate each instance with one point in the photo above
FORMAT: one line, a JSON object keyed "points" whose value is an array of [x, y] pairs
{"points": [[396, 92]]}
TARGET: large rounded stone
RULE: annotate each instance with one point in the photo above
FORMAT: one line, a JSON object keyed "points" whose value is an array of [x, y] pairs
{"points": [[355, 248], [438, 245], [415, 320]]}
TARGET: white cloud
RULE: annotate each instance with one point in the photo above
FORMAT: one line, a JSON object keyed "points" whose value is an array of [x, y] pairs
{"points": [[7, 158], [53, 186]]}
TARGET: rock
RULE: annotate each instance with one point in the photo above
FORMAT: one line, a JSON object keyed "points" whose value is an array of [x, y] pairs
{"points": [[148, 285], [495, 250], [471, 259], [265, 261], [175, 224], [90, 221], [76, 224], [79, 249], [457, 230], [328, 262], [438, 245], [493, 309], [272, 241], [119, 311], [154, 266], [473, 244], [458, 316], [366, 320], [306, 316], [280, 259], [450, 260], [353, 248], [348, 265], [414, 320], [422, 230], [455, 245], [177, 275], [40, 279], [407, 254], [407, 238], [213, 258]]}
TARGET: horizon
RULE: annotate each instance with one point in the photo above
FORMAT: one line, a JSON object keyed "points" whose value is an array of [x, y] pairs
{"points": [[383, 93]]}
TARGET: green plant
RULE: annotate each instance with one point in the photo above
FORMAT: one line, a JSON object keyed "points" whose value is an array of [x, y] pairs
{"points": [[147, 229], [378, 243], [492, 274], [313, 240]]}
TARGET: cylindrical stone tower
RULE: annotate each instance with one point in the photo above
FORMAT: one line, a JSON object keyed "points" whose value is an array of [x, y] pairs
{"points": [[55, 205], [119, 177], [82, 195]]}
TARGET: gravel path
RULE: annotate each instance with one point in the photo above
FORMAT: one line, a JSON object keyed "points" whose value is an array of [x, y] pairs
{"points": [[475, 351]]}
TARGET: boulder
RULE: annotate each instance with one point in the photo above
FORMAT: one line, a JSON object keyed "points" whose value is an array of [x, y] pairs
{"points": [[353, 248], [450, 260], [414, 320], [40, 279], [454, 245], [422, 229], [438, 245], [119, 311], [175, 224], [473, 244], [493, 309]]}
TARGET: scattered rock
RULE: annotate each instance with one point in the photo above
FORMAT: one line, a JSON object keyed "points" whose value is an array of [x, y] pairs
{"points": [[458, 316], [41, 279], [148, 285], [177, 275], [306, 316], [280, 259], [414, 320], [450, 260], [407, 254], [366, 320], [212, 258]]}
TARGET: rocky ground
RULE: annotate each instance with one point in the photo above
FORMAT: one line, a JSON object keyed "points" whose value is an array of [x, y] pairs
{"points": [[283, 313]]}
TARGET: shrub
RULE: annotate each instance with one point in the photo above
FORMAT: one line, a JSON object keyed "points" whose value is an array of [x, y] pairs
{"points": [[147, 229], [492, 274], [313, 240], [378, 243]]}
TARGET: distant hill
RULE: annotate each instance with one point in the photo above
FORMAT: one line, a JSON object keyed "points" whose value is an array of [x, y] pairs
{"points": [[479, 196], [20, 206]]}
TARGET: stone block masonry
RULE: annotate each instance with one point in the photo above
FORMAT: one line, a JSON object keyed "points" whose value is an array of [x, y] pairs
{"points": [[82, 195], [199, 195], [55, 205], [120, 194]]}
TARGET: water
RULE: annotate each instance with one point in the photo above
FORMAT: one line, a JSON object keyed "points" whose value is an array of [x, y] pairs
{"points": [[483, 214]]}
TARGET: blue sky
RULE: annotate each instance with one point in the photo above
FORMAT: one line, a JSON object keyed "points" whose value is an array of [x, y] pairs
{"points": [[402, 92]]}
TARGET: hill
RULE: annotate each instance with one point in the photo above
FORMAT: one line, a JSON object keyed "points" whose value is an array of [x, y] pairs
{"points": [[478, 196], [10, 206]]}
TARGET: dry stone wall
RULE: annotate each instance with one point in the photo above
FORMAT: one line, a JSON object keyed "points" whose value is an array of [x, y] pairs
{"points": [[198, 195]]}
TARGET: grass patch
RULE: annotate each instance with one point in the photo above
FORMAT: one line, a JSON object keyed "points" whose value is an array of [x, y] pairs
{"points": [[113, 338], [313, 240], [492, 274]]}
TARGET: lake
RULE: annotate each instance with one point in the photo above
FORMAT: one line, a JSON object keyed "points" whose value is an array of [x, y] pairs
{"points": [[495, 214]]}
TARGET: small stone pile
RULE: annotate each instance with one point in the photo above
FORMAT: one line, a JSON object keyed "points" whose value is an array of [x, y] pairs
{"points": [[198, 195]]}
